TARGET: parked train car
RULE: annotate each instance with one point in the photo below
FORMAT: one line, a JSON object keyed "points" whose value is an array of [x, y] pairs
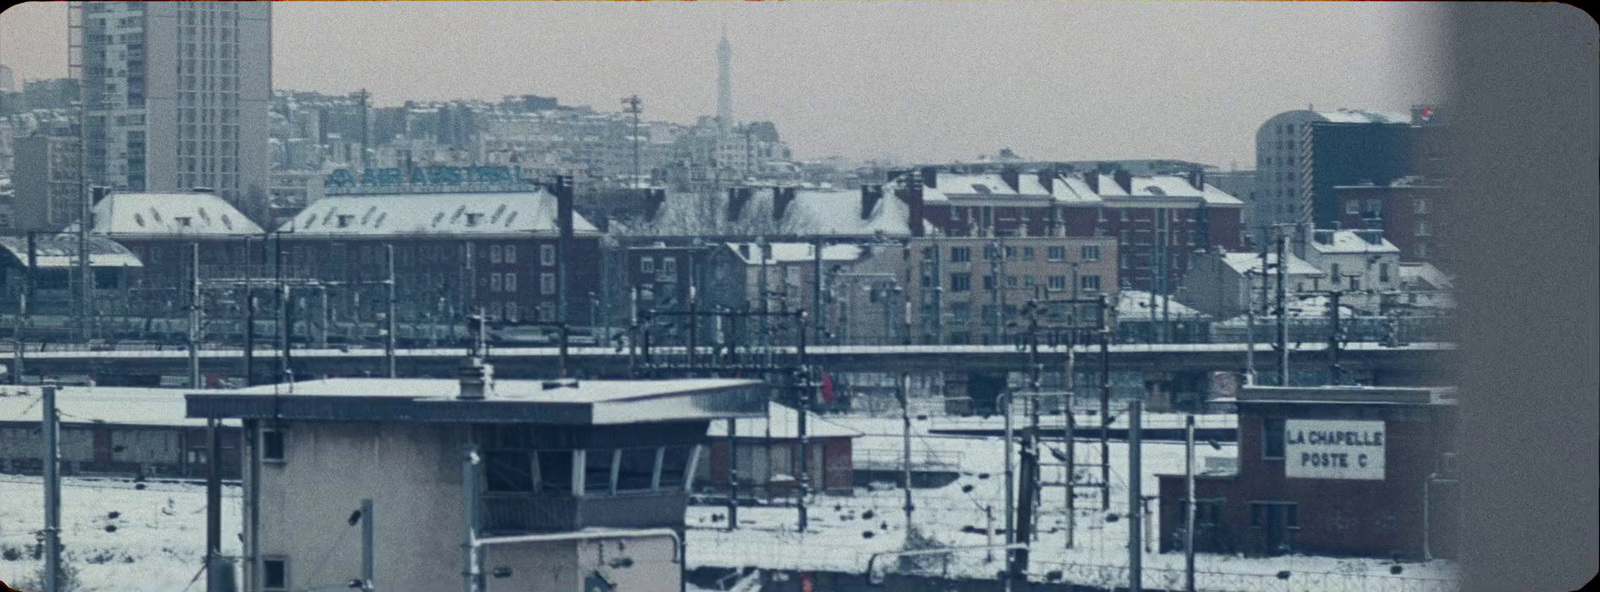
{"points": [[112, 431]]}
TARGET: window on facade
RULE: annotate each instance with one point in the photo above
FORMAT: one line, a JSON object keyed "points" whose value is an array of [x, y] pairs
{"points": [[1383, 273], [1089, 283], [636, 469], [274, 573], [1027, 253], [555, 471], [988, 282], [547, 283], [1058, 282], [513, 312], [960, 282], [508, 471], [1090, 253], [1422, 228], [647, 265], [961, 313], [511, 282], [1055, 253], [1374, 206], [547, 257], [669, 266], [1421, 205], [547, 313], [1355, 283], [494, 282], [494, 253], [675, 466], [1352, 207], [960, 254], [597, 463], [1272, 438], [510, 253], [272, 445], [1027, 281], [1011, 281]]}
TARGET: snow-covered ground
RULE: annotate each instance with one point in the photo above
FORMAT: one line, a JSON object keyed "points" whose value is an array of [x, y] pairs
{"points": [[155, 542], [845, 531], [159, 538]]}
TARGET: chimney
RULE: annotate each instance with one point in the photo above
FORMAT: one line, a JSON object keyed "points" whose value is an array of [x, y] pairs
{"points": [[1373, 237], [1124, 180], [1197, 178], [911, 194], [737, 198], [477, 379], [1324, 237], [653, 200], [930, 177], [781, 196], [870, 194], [563, 192], [1092, 179], [1011, 177], [1048, 180]]}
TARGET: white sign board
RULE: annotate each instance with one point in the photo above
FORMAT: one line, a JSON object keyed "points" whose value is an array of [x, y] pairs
{"points": [[1333, 449]]}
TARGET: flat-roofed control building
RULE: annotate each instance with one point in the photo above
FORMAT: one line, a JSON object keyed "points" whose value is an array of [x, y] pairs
{"points": [[572, 483]]}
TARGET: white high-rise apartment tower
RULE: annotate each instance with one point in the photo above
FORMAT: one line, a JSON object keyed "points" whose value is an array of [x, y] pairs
{"points": [[175, 95]]}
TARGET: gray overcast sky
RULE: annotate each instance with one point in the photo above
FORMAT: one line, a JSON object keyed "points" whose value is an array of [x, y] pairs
{"points": [[921, 80]]}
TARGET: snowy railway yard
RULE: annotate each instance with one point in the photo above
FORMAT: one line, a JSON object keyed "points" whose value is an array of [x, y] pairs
{"points": [[846, 531], [119, 536]]}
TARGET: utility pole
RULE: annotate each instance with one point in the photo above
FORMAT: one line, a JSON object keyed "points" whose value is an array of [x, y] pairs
{"points": [[816, 287], [214, 560], [362, 95], [471, 575], [1283, 312], [1188, 501], [1249, 329], [389, 320], [1334, 295], [24, 293], [733, 474], [194, 316], [1030, 449], [52, 492], [805, 410], [367, 547], [1069, 428], [1105, 402], [905, 420], [249, 318], [564, 189], [1135, 499], [634, 108], [1011, 521], [85, 271]]}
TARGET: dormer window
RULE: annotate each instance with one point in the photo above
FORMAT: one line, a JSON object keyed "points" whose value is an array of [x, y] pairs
{"points": [[183, 221], [472, 219], [344, 220]]}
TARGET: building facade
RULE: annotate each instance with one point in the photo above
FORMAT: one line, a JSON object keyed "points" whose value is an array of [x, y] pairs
{"points": [[49, 192], [1409, 211], [1341, 471], [175, 96], [505, 484]]}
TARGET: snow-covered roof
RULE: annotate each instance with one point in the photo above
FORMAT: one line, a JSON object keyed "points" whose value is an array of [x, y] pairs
{"points": [[1343, 242], [100, 404], [784, 423], [1251, 262], [169, 214], [527, 213], [1134, 305], [1425, 274], [61, 250], [1359, 116], [1073, 189], [582, 402], [749, 253], [812, 212]]}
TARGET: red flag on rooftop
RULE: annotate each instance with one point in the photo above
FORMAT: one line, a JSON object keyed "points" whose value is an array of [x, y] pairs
{"points": [[827, 388]]}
